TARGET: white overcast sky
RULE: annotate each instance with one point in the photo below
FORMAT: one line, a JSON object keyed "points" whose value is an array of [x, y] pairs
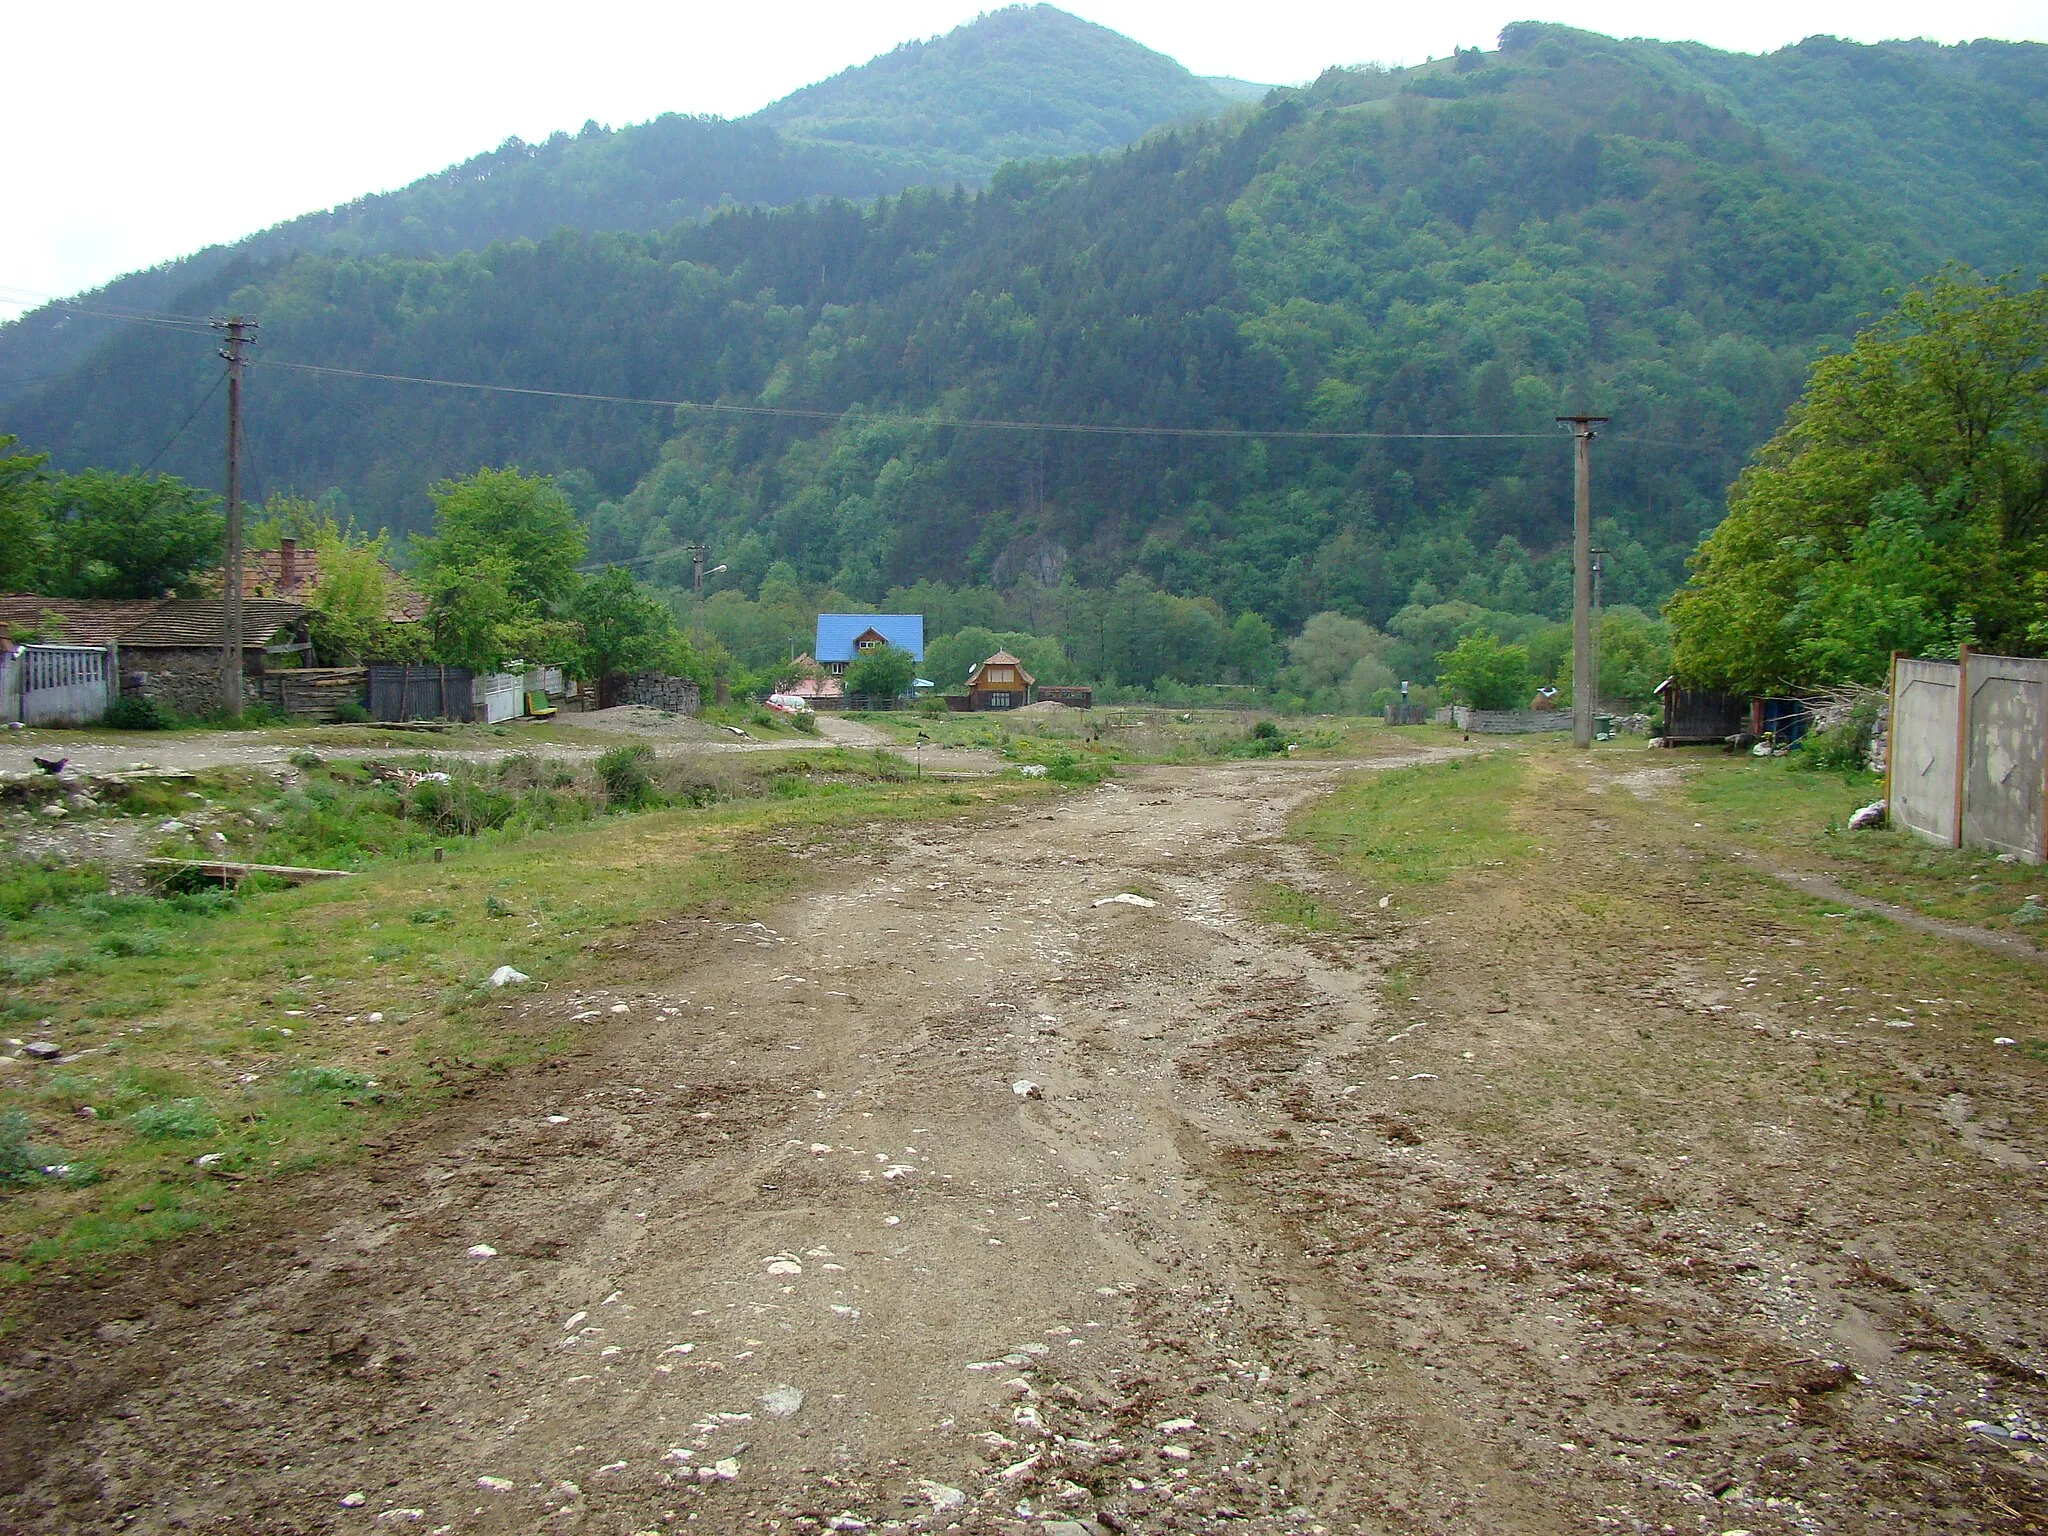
{"points": [[144, 131]]}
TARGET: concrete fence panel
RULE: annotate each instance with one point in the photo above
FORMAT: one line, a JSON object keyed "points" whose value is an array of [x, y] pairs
{"points": [[1923, 748], [2003, 783]]}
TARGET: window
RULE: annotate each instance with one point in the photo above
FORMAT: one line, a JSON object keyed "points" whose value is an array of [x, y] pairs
{"points": [[999, 701], [1001, 675]]}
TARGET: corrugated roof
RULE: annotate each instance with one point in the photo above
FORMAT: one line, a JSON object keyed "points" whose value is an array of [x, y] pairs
{"points": [[170, 621], [838, 631]]}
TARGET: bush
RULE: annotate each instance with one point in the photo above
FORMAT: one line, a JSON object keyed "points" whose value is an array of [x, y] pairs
{"points": [[805, 722], [18, 1160], [624, 772], [179, 1119], [349, 712], [1841, 748], [324, 1080], [25, 887], [1485, 674], [129, 713]]}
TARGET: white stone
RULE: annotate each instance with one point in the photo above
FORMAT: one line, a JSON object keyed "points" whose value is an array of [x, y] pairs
{"points": [[782, 1401], [1176, 1426], [784, 1267], [939, 1496], [505, 976], [1024, 1088], [495, 1484], [1126, 899], [354, 1500], [2005, 1040], [483, 1251]]}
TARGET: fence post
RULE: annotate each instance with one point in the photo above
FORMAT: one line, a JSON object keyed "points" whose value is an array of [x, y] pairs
{"points": [[1891, 733], [1962, 734]]}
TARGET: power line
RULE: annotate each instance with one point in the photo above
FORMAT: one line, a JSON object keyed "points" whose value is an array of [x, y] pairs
{"points": [[106, 310], [218, 378], [975, 423]]}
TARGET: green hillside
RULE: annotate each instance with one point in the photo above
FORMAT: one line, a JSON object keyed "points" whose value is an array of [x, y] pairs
{"points": [[1025, 81], [1468, 247]]}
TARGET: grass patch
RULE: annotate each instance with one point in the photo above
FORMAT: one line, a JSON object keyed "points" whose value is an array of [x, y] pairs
{"points": [[1421, 825], [1801, 818], [1285, 907]]}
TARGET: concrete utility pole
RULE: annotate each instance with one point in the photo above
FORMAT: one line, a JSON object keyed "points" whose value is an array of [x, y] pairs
{"points": [[240, 334], [1583, 678]]}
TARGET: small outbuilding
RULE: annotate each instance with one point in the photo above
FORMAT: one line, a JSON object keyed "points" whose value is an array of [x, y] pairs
{"points": [[999, 683]]}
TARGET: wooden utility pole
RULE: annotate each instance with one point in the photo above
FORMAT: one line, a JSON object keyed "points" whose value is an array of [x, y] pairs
{"points": [[240, 333], [1583, 678]]}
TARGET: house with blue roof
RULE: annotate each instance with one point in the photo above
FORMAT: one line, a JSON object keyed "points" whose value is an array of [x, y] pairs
{"points": [[843, 636]]}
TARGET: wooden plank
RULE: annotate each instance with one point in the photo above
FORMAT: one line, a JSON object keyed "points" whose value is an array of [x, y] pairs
{"points": [[229, 869]]}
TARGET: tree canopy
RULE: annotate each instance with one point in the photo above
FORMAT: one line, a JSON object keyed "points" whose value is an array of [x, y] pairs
{"points": [[113, 535], [1903, 505], [22, 524], [883, 672]]}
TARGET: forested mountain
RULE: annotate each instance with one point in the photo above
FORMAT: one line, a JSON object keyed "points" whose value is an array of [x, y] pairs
{"points": [[1028, 80], [1468, 247]]}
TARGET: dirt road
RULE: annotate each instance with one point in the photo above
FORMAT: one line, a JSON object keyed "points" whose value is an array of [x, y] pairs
{"points": [[964, 1195]]}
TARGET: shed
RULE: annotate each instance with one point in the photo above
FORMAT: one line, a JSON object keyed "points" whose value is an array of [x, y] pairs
{"points": [[843, 636], [999, 683], [1700, 716]]}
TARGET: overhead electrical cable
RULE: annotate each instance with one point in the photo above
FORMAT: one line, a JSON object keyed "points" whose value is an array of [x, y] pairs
{"points": [[977, 423], [185, 423]]}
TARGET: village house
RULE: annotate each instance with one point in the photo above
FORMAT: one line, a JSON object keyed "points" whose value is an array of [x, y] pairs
{"points": [[999, 683], [815, 686], [166, 650], [292, 573], [843, 636]]}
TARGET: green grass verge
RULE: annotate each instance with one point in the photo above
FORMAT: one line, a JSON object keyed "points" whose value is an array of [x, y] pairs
{"points": [[1421, 825]]}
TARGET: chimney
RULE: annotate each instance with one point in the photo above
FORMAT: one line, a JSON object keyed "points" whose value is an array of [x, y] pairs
{"points": [[287, 562]]}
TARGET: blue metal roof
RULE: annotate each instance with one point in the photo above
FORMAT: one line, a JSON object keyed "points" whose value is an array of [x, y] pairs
{"points": [[838, 631]]}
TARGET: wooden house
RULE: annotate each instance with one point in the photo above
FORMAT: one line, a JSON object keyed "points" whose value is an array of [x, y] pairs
{"points": [[999, 683]]}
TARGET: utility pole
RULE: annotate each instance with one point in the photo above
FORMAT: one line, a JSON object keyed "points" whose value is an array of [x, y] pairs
{"points": [[698, 552], [240, 334], [1583, 676]]}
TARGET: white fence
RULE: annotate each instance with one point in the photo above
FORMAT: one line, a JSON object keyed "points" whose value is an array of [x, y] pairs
{"points": [[57, 684], [500, 697], [1967, 753]]}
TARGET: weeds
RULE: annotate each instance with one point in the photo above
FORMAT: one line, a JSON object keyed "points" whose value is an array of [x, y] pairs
{"points": [[624, 772], [177, 1119]]}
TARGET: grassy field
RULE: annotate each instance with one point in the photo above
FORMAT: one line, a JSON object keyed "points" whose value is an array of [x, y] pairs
{"points": [[212, 1039], [1128, 734]]}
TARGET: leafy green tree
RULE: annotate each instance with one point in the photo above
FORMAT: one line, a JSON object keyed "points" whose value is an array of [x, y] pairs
{"points": [[23, 526], [621, 629], [1635, 656], [1906, 494], [882, 673], [348, 610], [1322, 658], [120, 536], [1485, 674], [525, 521]]}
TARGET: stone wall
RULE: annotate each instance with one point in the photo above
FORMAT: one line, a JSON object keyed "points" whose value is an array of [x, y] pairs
{"points": [[183, 680], [659, 690], [1504, 722]]}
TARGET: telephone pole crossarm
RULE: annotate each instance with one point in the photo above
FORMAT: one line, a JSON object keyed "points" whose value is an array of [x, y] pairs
{"points": [[1584, 680]]}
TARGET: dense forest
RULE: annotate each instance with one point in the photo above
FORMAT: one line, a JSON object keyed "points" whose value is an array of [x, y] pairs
{"points": [[1466, 248], [1041, 82]]}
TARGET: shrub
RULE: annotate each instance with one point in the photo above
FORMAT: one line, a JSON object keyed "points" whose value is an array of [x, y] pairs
{"points": [[1485, 674], [18, 1160], [177, 1119], [624, 773], [324, 1080], [805, 722], [25, 887], [349, 712], [1843, 747], [129, 713]]}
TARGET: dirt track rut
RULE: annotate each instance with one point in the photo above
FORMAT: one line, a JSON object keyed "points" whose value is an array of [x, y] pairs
{"points": [[796, 1161]]}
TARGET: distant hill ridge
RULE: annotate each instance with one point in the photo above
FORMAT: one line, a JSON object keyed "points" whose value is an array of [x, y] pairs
{"points": [[1016, 83]]}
